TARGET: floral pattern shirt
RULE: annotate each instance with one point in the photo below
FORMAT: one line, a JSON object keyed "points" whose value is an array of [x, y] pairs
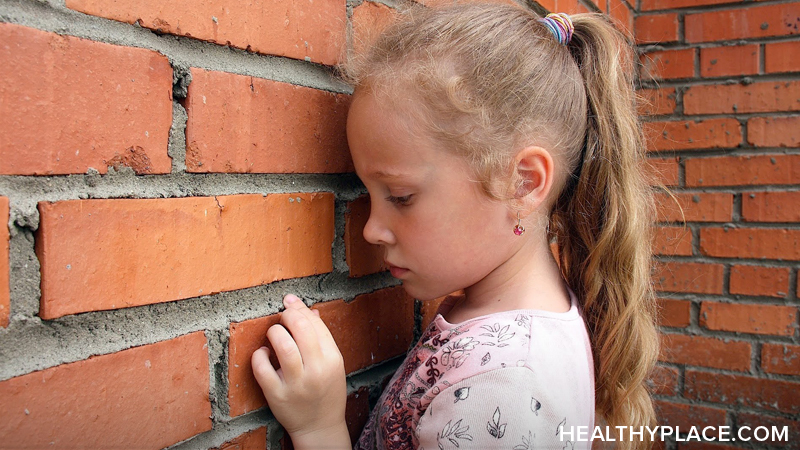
{"points": [[507, 380]]}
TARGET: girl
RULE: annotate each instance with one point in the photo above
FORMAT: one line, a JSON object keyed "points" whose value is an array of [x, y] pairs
{"points": [[482, 133]]}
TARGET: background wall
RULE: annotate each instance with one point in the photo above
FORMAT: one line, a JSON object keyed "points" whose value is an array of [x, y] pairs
{"points": [[168, 172]]}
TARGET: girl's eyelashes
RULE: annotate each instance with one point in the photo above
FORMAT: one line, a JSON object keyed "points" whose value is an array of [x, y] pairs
{"points": [[400, 201]]}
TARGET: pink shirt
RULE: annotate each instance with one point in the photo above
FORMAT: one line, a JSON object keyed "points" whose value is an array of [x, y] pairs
{"points": [[506, 380]]}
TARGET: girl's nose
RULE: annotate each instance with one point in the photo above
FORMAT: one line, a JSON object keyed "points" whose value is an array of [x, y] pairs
{"points": [[375, 231]]}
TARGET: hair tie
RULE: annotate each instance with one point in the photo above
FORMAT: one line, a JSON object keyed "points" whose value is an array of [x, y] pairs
{"points": [[560, 25]]}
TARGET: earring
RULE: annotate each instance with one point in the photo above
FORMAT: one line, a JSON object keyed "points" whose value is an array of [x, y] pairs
{"points": [[519, 229]]}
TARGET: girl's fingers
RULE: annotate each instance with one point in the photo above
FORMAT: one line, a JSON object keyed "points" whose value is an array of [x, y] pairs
{"points": [[287, 352], [303, 332], [325, 339], [265, 374]]}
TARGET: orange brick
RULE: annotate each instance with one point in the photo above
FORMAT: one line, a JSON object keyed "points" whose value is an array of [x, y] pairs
{"points": [[362, 257], [622, 16], [674, 313], [357, 412], [742, 318], [781, 358], [313, 30], [662, 171], [756, 280], [774, 131], [790, 439], [244, 393], [668, 64], [693, 134], [672, 241], [369, 20], [781, 57], [758, 21], [743, 170], [654, 102], [771, 206], [729, 60], [108, 254], [372, 328], [705, 352], [686, 416], [695, 207], [650, 5], [243, 124], [676, 276], [5, 278], [562, 6], [108, 401], [758, 243], [664, 381], [743, 391], [252, 440], [737, 98], [70, 104], [657, 28]]}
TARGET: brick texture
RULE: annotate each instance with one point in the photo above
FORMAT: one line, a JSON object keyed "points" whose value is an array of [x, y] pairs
{"points": [[791, 441], [771, 206], [622, 16], [783, 359], [759, 281], [654, 102], [729, 61], [668, 64], [687, 135], [774, 131], [672, 241], [744, 318], [663, 171], [743, 391], [650, 5], [751, 243], [673, 276], [695, 207], [362, 257], [781, 57], [758, 21], [244, 124], [357, 412], [705, 352], [5, 289], [296, 29], [659, 28], [738, 98], [686, 416], [107, 254], [244, 393], [108, 401], [743, 170], [675, 313], [664, 381], [252, 440], [368, 20], [70, 104]]}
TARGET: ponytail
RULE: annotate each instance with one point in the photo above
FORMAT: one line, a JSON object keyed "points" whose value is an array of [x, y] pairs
{"points": [[602, 224]]}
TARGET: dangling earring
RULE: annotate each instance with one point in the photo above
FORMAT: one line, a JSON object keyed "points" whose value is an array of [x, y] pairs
{"points": [[519, 229]]}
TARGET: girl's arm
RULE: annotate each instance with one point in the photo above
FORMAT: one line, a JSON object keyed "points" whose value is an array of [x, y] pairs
{"points": [[307, 394]]}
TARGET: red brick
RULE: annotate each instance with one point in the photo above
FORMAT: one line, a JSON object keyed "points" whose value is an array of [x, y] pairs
{"points": [[564, 6], [668, 64], [650, 5], [774, 131], [686, 416], [362, 257], [705, 352], [729, 60], [664, 381], [657, 28], [743, 391], [372, 328], [781, 358], [357, 412], [5, 278], [621, 16], [314, 30], [756, 319], [663, 171], [758, 243], [674, 313], [252, 440], [695, 207], [369, 20], [243, 124], [743, 170], [693, 134], [654, 102], [108, 401], [107, 254], [781, 57], [758, 21], [70, 104], [737, 98], [244, 393], [790, 441], [756, 280], [672, 241], [771, 206], [676, 276]]}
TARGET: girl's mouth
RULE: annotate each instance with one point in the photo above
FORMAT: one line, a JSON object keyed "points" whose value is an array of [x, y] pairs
{"points": [[396, 272]]}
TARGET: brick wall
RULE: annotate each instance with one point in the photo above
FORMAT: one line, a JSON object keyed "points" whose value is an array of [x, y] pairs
{"points": [[168, 172]]}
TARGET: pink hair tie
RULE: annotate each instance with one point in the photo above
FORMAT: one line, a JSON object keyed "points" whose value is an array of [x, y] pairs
{"points": [[560, 25]]}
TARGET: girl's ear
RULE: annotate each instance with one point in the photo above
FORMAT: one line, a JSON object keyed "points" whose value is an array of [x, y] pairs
{"points": [[535, 171]]}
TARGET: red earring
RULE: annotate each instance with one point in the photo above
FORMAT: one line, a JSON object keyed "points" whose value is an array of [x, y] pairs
{"points": [[519, 229]]}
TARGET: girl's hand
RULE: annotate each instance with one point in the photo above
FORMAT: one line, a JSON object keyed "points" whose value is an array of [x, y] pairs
{"points": [[307, 394]]}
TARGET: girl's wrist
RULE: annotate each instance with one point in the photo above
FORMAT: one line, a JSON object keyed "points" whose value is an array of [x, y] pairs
{"points": [[333, 437]]}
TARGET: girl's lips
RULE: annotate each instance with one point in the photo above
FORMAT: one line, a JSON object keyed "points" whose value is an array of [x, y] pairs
{"points": [[396, 272]]}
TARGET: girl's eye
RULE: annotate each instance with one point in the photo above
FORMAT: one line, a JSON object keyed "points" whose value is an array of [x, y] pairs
{"points": [[401, 201]]}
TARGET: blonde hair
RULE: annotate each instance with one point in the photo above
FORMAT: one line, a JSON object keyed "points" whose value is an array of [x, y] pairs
{"points": [[488, 79]]}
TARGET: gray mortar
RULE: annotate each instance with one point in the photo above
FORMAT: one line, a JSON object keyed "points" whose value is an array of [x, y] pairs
{"points": [[218, 362], [177, 138]]}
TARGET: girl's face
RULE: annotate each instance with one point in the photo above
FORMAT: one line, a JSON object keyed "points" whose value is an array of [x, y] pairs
{"points": [[439, 231]]}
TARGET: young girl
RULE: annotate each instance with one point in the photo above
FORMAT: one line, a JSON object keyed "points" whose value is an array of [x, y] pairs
{"points": [[483, 132]]}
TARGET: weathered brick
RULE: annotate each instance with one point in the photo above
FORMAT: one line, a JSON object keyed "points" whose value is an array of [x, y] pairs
{"points": [[743, 170], [790, 440], [663, 171], [729, 24], [565, 6], [743, 318], [107, 254], [651, 5], [362, 257], [759, 243], [705, 351], [674, 313], [771, 206], [695, 207], [781, 358], [108, 401], [686, 416], [656, 28], [781, 57], [757, 280], [700, 278], [71, 104], [729, 60], [357, 412], [5, 278], [622, 16], [738, 98], [743, 391], [252, 440], [244, 393], [664, 381], [244, 124], [369, 20], [654, 102], [296, 29], [667, 64], [774, 131], [672, 241], [693, 134]]}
